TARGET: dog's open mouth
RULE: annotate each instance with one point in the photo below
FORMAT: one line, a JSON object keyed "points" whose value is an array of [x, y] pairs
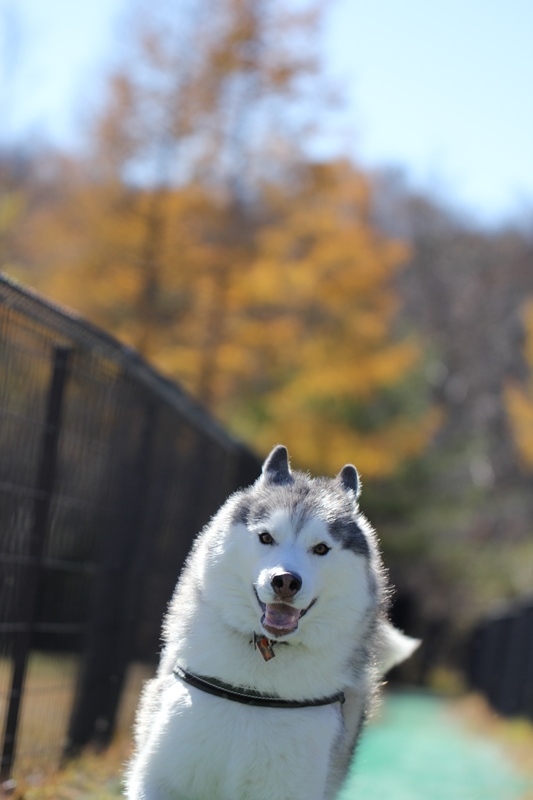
{"points": [[280, 619]]}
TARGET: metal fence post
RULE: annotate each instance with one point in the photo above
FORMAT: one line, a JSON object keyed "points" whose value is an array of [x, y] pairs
{"points": [[526, 706], [113, 616], [142, 540], [513, 675], [33, 571]]}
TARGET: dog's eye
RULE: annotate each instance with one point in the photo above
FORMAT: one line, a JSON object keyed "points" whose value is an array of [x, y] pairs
{"points": [[266, 538], [321, 549]]}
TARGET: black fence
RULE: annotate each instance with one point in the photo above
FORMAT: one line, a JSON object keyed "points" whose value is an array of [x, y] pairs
{"points": [[107, 471], [501, 660]]}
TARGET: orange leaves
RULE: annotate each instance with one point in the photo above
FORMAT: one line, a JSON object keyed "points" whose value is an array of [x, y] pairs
{"points": [[519, 399], [199, 232], [315, 312], [325, 444], [520, 407], [282, 323]]}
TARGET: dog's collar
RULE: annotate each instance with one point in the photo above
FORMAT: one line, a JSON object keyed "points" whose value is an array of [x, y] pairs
{"points": [[249, 697]]}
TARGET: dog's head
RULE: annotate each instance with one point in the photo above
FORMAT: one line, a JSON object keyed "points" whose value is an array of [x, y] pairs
{"points": [[294, 560]]}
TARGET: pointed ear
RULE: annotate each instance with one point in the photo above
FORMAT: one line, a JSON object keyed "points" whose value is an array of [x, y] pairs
{"points": [[276, 468], [349, 478]]}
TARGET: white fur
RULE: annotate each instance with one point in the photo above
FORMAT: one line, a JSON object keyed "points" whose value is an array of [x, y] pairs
{"points": [[195, 746], [396, 647]]}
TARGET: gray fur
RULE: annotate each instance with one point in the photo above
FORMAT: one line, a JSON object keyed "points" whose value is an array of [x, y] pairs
{"points": [[350, 534], [349, 478], [330, 499], [276, 468]]}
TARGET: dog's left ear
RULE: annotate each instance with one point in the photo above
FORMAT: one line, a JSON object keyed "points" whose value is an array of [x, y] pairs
{"points": [[276, 468], [349, 478]]}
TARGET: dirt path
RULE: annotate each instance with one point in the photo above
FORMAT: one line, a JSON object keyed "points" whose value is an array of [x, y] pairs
{"points": [[418, 750]]}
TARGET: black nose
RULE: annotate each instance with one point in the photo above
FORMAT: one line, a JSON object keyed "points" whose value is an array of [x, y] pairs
{"points": [[286, 584]]}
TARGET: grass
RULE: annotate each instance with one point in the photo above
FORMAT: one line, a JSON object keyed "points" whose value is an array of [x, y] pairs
{"points": [[94, 776], [421, 747], [49, 691], [50, 687], [515, 735], [97, 776]]}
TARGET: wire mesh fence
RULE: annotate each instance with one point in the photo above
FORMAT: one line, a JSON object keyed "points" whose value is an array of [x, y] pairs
{"points": [[107, 471]]}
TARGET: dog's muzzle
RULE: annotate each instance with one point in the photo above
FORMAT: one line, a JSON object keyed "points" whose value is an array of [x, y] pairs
{"points": [[279, 618]]}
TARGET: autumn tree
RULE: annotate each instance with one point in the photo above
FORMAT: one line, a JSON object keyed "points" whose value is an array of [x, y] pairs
{"points": [[313, 331], [205, 103], [520, 399], [210, 239]]}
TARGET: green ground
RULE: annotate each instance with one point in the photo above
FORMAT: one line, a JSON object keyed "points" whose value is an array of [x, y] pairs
{"points": [[417, 750]]}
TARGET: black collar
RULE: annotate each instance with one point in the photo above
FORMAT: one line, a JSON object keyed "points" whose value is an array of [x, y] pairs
{"points": [[249, 697]]}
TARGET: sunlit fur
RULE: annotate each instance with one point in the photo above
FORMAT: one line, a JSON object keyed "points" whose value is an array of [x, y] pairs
{"points": [[194, 746]]}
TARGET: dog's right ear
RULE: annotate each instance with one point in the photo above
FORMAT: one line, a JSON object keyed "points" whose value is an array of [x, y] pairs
{"points": [[276, 468]]}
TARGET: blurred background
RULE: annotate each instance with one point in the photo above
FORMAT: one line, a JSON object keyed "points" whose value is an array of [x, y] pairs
{"points": [[318, 219]]}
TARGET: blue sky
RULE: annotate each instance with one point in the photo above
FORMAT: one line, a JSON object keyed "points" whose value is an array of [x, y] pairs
{"points": [[442, 88]]}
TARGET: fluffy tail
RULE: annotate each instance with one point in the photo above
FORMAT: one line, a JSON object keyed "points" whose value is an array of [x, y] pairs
{"points": [[395, 647]]}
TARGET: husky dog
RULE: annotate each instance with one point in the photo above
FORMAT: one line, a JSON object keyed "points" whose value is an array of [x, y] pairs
{"points": [[274, 644]]}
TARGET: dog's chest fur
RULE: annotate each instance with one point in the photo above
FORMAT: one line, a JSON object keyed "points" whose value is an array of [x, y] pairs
{"points": [[212, 748]]}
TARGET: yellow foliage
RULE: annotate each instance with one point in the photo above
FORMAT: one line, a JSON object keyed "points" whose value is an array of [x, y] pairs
{"points": [[520, 406], [325, 445], [296, 315], [519, 399], [275, 305]]}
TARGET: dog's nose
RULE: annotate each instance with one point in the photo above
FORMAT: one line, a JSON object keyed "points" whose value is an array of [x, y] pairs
{"points": [[286, 584]]}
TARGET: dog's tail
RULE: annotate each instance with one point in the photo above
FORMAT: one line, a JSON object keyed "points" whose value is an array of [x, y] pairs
{"points": [[395, 647]]}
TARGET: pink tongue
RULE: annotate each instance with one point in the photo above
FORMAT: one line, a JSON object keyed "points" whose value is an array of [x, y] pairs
{"points": [[281, 616]]}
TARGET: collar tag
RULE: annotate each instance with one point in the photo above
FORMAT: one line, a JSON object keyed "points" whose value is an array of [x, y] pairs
{"points": [[264, 646]]}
